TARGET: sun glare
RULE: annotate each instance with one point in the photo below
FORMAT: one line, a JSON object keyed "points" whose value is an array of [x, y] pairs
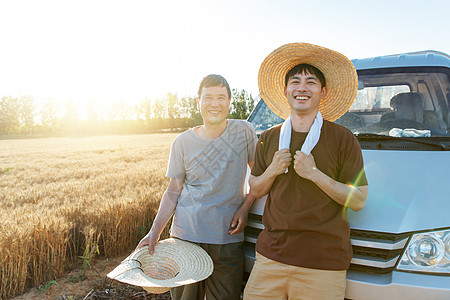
{"points": [[129, 55]]}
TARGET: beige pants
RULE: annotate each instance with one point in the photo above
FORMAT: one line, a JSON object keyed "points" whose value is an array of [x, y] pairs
{"points": [[273, 280]]}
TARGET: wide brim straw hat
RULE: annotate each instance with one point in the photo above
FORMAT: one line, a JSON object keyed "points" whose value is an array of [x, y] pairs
{"points": [[174, 263], [340, 76]]}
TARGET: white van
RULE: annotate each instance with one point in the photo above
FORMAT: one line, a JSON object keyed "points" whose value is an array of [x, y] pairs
{"points": [[401, 117]]}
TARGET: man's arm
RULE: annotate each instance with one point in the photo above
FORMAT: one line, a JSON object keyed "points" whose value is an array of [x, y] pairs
{"points": [[166, 209], [260, 185], [344, 194], [241, 216]]}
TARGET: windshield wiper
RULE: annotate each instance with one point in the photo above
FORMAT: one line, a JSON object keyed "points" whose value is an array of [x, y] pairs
{"points": [[373, 136]]}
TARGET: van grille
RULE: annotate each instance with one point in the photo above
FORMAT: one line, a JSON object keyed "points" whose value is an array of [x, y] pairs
{"points": [[373, 252], [376, 252]]}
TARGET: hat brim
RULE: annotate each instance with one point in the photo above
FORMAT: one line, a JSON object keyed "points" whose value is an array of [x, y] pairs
{"points": [[174, 263], [340, 75]]}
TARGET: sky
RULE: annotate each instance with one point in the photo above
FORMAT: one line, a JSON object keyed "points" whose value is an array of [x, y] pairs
{"points": [[111, 51]]}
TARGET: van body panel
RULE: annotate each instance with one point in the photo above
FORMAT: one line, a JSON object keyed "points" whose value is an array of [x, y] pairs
{"points": [[417, 59], [407, 191], [396, 285]]}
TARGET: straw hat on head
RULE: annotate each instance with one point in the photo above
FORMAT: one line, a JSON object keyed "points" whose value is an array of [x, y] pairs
{"points": [[340, 75], [174, 263]]}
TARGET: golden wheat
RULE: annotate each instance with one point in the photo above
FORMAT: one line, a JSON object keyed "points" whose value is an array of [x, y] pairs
{"points": [[62, 196]]}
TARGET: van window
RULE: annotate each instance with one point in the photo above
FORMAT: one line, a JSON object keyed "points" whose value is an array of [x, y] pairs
{"points": [[388, 102], [378, 97]]}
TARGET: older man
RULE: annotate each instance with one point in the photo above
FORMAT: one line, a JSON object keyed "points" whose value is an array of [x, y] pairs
{"points": [[207, 170]]}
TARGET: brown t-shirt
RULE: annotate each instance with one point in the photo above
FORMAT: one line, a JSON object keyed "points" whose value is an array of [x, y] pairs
{"points": [[303, 226]]}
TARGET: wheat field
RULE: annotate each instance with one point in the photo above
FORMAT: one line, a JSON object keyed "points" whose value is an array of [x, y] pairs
{"points": [[66, 198]]}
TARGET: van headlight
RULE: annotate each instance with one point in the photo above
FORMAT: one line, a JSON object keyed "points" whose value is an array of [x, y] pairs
{"points": [[427, 252]]}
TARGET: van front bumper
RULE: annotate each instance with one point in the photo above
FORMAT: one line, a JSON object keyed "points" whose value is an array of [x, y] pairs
{"points": [[396, 285]]}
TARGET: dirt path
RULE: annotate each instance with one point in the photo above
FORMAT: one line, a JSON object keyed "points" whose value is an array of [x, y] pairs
{"points": [[94, 286]]}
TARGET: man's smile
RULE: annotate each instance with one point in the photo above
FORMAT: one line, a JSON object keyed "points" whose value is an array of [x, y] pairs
{"points": [[302, 97], [215, 112]]}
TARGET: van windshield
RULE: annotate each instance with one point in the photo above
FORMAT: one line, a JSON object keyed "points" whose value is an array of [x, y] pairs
{"points": [[410, 103]]}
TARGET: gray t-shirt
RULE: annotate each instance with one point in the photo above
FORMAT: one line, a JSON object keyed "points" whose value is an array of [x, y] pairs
{"points": [[214, 174]]}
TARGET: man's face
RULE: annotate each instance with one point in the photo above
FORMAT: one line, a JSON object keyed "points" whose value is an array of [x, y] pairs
{"points": [[214, 104], [304, 92]]}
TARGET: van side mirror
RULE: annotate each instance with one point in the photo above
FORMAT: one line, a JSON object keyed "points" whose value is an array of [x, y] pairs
{"points": [[360, 85]]}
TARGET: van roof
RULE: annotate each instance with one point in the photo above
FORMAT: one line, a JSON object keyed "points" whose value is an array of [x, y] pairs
{"points": [[426, 58]]}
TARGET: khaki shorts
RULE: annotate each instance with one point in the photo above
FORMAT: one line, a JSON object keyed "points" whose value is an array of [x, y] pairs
{"points": [[273, 280]]}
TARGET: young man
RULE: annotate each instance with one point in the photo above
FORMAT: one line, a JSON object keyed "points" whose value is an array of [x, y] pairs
{"points": [[207, 169], [312, 171]]}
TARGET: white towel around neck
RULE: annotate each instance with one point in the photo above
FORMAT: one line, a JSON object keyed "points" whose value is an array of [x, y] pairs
{"points": [[311, 139]]}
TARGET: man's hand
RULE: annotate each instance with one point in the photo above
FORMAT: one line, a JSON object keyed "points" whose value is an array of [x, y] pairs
{"points": [[260, 185], [150, 239], [281, 160], [304, 165], [166, 209], [239, 221], [345, 194]]}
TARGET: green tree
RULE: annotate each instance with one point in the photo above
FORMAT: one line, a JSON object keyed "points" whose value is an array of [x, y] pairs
{"points": [[49, 116], [159, 114], [241, 105], [189, 109], [159, 110], [26, 114], [9, 115], [70, 119], [171, 104], [144, 112], [144, 109]]}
